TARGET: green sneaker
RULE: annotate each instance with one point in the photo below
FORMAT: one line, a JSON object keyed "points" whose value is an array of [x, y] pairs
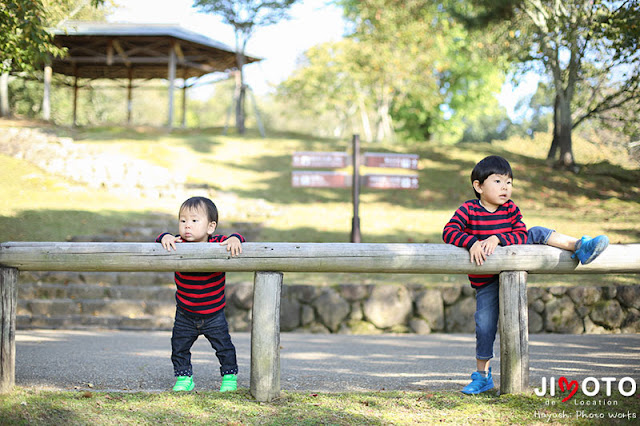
{"points": [[184, 383], [229, 383]]}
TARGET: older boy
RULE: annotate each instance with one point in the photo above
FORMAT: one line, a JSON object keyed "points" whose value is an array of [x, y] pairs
{"points": [[481, 225]]}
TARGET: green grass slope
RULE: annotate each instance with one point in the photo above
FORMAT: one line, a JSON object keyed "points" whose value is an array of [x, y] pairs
{"points": [[250, 180]]}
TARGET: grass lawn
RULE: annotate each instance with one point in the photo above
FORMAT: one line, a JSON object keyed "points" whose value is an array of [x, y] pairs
{"points": [[33, 407]]}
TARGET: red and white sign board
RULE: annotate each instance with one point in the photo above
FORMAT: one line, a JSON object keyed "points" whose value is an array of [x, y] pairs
{"points": [[387, 159], [329, 160], [313, 179], [391, 181]]}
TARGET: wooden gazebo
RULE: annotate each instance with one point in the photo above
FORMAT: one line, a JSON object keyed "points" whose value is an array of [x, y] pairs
{"points": [[135, 51]]}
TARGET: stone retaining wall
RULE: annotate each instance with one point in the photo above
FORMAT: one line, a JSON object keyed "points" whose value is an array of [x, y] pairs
{"points": [[367, 309], [145, 300]]}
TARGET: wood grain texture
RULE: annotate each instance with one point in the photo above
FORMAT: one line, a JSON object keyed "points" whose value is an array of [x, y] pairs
{"points": [[514, 333], [8, 303], [309, 257], [265, 336]]}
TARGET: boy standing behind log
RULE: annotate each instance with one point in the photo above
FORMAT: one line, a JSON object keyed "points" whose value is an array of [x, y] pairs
{"points": [[200, 298]]}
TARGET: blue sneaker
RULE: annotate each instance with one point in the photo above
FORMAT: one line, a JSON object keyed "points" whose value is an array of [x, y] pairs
{"points": [[587, 249], [478, 383]]}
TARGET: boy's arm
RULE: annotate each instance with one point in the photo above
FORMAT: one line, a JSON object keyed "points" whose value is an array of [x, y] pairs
{"points": [[168, 240], [238, 236], [233, 243], [159, 238], [453, 232]]}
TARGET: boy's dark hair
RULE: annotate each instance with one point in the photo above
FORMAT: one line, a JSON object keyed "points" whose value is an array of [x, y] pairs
{"points": [[201, 202], [488, 166]]}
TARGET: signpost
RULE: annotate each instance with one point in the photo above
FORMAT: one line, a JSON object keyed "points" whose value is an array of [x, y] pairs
{"points": [[338, 160], [355, 221], [388, 159], [316, 179], [391, 181], [329, 160]]}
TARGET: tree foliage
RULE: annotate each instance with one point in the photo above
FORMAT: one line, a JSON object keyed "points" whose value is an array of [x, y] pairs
{"points": [[25, 41], [407, 68], [245, 16], [589, 51]]}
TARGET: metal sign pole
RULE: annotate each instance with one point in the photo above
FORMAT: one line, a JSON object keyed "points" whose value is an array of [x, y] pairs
{"points": [[355, 223]]}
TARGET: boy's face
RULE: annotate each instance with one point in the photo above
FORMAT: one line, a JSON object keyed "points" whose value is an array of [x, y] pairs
{"points": [[494, 191], [194, 225]]}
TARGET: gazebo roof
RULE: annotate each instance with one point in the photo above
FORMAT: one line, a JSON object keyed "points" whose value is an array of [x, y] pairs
{"points": [[107, 50]]}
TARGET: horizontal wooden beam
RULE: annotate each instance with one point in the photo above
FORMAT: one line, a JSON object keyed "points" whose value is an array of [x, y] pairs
{"points": [[309, 257]]}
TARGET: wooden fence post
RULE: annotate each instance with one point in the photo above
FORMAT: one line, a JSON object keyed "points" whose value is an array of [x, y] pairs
{"points": [[514, 332], [265, 336], [8, 303]]}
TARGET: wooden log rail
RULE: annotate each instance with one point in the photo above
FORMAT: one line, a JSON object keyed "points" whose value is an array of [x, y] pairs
{"points": [[270, 260]]}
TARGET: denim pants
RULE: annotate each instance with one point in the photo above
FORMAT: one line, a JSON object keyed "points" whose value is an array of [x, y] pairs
{"points": [[538, 235], [187, 329], [488, 303]]}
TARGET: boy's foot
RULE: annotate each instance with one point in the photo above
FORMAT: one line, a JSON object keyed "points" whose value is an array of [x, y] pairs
{"points": [[229, 383], [587, 248], [184, 383], [478, 383]]}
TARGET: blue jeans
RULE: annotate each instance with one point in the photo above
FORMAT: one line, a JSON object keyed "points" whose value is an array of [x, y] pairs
{"points": [[488, 303], [538, 235], [187, 329], [486, 316]]}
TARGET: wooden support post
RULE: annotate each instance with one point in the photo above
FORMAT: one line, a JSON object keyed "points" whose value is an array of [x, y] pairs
{"points": [[8, 303], [4, 95], [265, 336], [129, 95], [184, 98], [46, 96], [172, 84], [75, 98], [514, 333]]}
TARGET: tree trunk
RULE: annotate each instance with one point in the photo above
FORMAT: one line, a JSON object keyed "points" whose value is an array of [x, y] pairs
{"points": [[562, 129], [566, 160], [366, 127], [384, 129], [551, 156], [241, 94]]}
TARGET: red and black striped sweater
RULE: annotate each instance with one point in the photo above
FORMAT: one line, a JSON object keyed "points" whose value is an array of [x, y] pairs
{"points": [[201, 293], [472, 222]]}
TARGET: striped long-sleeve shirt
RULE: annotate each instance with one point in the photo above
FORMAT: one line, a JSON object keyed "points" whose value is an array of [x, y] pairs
{"points": [[201, 293], [472, 222]]}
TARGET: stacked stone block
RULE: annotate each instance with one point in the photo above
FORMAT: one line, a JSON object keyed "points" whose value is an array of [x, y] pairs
{"points": [[142, 300]]}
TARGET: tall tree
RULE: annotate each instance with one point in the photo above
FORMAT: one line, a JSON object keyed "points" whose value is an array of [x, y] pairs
{"points": [[245, 16], [589, 50]]}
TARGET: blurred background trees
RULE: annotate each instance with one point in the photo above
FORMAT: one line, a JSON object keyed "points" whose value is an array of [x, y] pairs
{"points": [[424, 71]]}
